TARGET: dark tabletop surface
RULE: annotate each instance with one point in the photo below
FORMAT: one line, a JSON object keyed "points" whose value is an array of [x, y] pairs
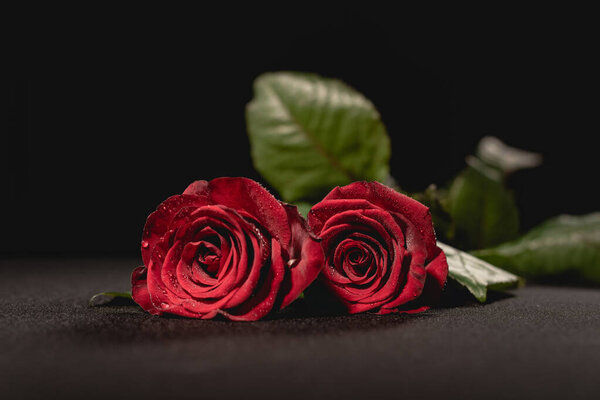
{"points": [[537, 342]]}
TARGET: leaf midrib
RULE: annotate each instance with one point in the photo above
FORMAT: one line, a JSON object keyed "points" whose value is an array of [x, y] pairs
{"points": [[311, 138]]}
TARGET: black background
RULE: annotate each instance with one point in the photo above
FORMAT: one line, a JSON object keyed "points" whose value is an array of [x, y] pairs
{"points": [[108, 116]]}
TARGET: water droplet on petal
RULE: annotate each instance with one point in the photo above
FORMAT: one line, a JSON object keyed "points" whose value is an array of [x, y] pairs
{"points": [[292, 263], [144, 244]]}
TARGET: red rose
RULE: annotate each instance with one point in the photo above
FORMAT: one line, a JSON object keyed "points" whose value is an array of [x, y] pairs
{"points": [[224, 247], [380, 249]]}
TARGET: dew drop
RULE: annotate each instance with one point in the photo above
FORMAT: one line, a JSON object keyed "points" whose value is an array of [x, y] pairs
{"points": [[292, 263], [144, 244]]}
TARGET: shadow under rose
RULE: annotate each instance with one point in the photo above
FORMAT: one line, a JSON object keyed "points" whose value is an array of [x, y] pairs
{"points": [[123, 321], [116, 322], [455, 295]]}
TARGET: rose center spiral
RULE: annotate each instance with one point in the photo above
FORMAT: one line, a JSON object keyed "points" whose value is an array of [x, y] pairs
{"points": [[209, 257], [356, 257], [357, 262]]}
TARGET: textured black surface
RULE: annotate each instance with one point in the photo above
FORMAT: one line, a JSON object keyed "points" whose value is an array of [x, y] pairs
{"points": [[543, 342]]}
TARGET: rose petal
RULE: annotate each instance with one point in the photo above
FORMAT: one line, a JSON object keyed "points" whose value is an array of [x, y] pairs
{"points": [[390, 283], [305, 258], [388, 199], [354, 222], [340, 258], [197, 188], [161, 298], [380, 255], [168, 271], [359, 221], [437, 273], [157, 223], [324, 210], [415, 281], [190, 276], [260, 251], [228, 220], [249, 196], [262, 302], [139, 290], [206, 306]]}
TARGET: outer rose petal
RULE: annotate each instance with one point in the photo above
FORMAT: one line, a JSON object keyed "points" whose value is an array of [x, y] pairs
{"points": [[139, 290], [243, 194], [157, 223], [197, 188], [437, 273], [305, 260], [162, 298], [322, 211], [415, 281]]}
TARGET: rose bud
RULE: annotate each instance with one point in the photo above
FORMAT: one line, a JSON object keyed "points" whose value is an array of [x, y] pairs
{"points": [[380, 249], [224, 247]]}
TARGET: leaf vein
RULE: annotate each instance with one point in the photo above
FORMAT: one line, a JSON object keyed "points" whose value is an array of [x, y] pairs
{"points": [[312, 139]]}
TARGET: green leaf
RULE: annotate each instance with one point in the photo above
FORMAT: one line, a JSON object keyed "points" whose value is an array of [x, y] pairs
{"points": [[476, 275], [309, 134], [437, 200], [106, 297], [303, 208], [483, 213], [507, 159], [563, 244]]}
